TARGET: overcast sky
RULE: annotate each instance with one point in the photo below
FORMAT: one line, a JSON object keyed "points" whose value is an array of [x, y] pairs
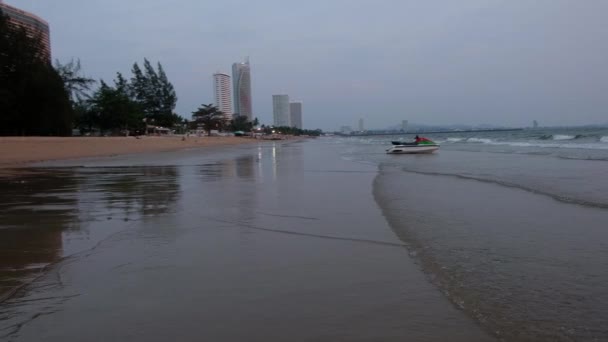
{"points": [[429, 61]]}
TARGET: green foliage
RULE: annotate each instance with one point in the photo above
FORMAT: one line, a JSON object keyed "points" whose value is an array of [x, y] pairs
{"points": [[209, 117], [33, 100], [240, 123], [148, 95], [291, 131], [154, 93], [112, 109], [75, 84]]}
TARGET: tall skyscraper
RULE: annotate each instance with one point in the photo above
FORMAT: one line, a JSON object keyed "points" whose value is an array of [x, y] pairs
{"points": [[241, 82], [221, 90], [34, 26], [295, 111], [280, 110], [361, 125]]}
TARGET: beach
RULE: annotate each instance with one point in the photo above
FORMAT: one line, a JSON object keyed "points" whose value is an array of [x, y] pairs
{"points": [[271, 241], [330, 239], [18, 151]]}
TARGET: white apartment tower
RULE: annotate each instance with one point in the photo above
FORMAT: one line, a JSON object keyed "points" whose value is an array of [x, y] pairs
{"points": [[223, 96], [295, 111], [280, 111]]}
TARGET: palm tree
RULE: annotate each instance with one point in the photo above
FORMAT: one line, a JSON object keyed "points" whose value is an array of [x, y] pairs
{"points": [[209, 117]]}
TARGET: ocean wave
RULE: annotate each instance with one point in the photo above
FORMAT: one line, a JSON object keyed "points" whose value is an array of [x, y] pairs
{"points": [[533, 143], [559, 137], [455, 139], [534, 190], [563, 137], [588, 146], [480, 140]]}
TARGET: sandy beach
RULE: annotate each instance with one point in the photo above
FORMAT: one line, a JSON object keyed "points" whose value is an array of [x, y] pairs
{"points": [[20, 151]]}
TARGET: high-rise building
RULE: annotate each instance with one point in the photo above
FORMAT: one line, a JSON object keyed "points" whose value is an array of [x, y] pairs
{"points": [[404, 125], [280, 110], [34, 26], [361, 125], [221, 90], [295, 112], [241, 82]]}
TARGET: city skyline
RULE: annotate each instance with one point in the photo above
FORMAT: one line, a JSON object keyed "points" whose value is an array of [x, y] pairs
{"points": [[468, 62]]}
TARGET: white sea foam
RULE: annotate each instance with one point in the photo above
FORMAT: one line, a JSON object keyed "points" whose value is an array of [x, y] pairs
{"points": [[455, 139], [563, 137], [480, 140], [604, 139], [590, 146]]}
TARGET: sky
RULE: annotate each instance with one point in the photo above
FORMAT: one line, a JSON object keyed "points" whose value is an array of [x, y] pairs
{"points": [[499, 62]]}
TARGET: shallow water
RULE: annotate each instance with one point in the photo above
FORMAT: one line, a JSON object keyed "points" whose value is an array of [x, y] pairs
{"points": [[258, 243], [515, 238]]}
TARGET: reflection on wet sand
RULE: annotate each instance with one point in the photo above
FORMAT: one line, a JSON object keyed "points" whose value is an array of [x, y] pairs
{"points": [[35, 208], [43, 209], [219, 247], [136, 190]]}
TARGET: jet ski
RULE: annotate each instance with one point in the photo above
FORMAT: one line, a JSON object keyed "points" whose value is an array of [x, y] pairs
{"points": [[422, 145]]}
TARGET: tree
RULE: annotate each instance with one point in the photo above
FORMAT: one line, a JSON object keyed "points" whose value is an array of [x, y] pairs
{"points": [[291, 131], [240, 123], [33, 100], [168, 97], [84, 116], [209, 117], [75, 84], [113, 110], [154, 93]]}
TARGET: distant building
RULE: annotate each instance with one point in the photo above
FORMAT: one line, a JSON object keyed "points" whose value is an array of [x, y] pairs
{"points": [[535, 124], [33, 25], [404, 124], [221, 90], [241, 82], [361, 125], [280, 110], [295, 112], [346, 130]]}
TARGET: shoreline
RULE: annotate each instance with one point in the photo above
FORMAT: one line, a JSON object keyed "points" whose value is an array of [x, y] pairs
{"points": [[17, 152], [297, 251]]}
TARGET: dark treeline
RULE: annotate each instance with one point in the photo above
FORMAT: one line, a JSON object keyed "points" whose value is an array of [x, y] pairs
{"points": [[39, 99], [147, 98], [290, 131], [33, 99], [209, 117]]}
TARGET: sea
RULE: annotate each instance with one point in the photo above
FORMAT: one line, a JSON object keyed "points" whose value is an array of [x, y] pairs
{"points": [[512, 226]]}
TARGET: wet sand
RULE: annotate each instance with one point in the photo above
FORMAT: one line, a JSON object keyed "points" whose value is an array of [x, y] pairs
{"points": [[17, 151], [274, 242]]}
